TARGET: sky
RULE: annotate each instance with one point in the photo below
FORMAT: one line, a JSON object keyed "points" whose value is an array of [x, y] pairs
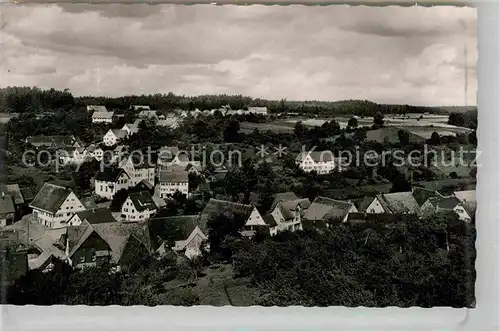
{"points": [[397, 55]]}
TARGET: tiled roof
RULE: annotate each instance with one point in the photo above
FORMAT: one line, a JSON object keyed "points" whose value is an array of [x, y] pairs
{"points": [[215, 207], [365, 203], [115, 234], [174, 174], [269, 220], [286, 196], [119, 133], [142, 201], [50, 197], [100, 115], [421, 195], [88, 203], [96, 216], [184, 225], [400, 202], [447, 203], [109, 174], [27, 194], [317, 156], [14, 191], [6, 204], [326, 208], [145, 183], [288, 208]]}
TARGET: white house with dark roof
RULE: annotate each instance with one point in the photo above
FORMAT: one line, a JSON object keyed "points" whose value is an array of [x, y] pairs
{"points": [[468, 199], [288, 213], [74, 155], [94, 151], [102, 117], [171, 180], [396, 203], [94, 216], [54, 205], [113, 136], [328, 210], [132, 128], [323, 162], [137, 171], [109, 181], [252, 219], [435, 205], [138, 206]]}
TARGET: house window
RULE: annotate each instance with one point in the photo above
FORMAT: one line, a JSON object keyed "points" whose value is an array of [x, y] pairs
{"points": [[82, 259]]}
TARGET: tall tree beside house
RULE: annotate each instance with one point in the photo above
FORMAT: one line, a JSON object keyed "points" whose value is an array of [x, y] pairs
{"points": [[435, 139], [231, 131], [118, 200], [378, 120], [404, 137]]}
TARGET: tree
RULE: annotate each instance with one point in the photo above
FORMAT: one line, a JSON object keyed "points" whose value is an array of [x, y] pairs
{"points": [[435, 139], [352, 123], [453, 175], [299, 130], [378, 119], [231, 131], [404, 137], [118, 200], [472, 138]]}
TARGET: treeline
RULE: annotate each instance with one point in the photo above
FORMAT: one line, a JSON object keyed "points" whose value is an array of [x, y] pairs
{"points": [[422, 263], [466, 119], [33, 99]]}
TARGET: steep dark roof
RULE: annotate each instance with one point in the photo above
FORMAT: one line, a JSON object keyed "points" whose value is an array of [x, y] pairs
{"points": [[288, 208], [50, 197], [286, 196], [96, 216], [7, 204], [215, 207], [110, 174], [421, 195], [317, 156], [174, 174], [268, 219], [27, 194], [142, 201], [365, 203], [14, 191], [182, 226], [448, 203], [145, 184]]}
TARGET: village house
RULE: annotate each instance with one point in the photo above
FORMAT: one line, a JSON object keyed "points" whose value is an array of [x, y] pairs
{"points": [[7, 209], [73, 156], [148, 114], [287, 211], [55, 142], [398, 203], [421, 195], [93, 151], [20, 197], [323, 211], [44, 248], [468, 199], [138, 206], [171, 121], [102, 117], [436, 205], [109, 181], [249, 215], [182, 159], [132, 128], [94, 216], [113, 136], [191, 233], [99, 243], [323, 162], [257, 110], [171, 180], [54, 205], [137, 171]]}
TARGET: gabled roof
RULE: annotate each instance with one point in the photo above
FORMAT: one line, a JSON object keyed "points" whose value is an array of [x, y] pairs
{"points": [[50, 197], [168, 152], [27, 194], [447, 203], [96, 216], [326, 208], [400, 202], [142, 201], [174, 174], [145, 183], [421, 195], [119, 133], [184, 225], [115, 234], [215, 207], [104, 114], [365, 203], [317, 156], [109, 174], [6, 204], [14, 191], [133, 127], [269, 220], [286, 196], [288, 208]]}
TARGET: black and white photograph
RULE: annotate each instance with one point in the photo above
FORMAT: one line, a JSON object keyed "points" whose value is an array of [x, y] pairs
{"points": [[206, 155]]}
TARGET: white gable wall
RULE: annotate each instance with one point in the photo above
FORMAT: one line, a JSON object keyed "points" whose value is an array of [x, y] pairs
{"points": [[375, 207]]}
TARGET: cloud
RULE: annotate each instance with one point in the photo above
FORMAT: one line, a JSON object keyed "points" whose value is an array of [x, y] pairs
{"points": [[407, 55]]}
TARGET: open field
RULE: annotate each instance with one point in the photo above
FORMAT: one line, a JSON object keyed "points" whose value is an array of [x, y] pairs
{"points": [[276, 127]]}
